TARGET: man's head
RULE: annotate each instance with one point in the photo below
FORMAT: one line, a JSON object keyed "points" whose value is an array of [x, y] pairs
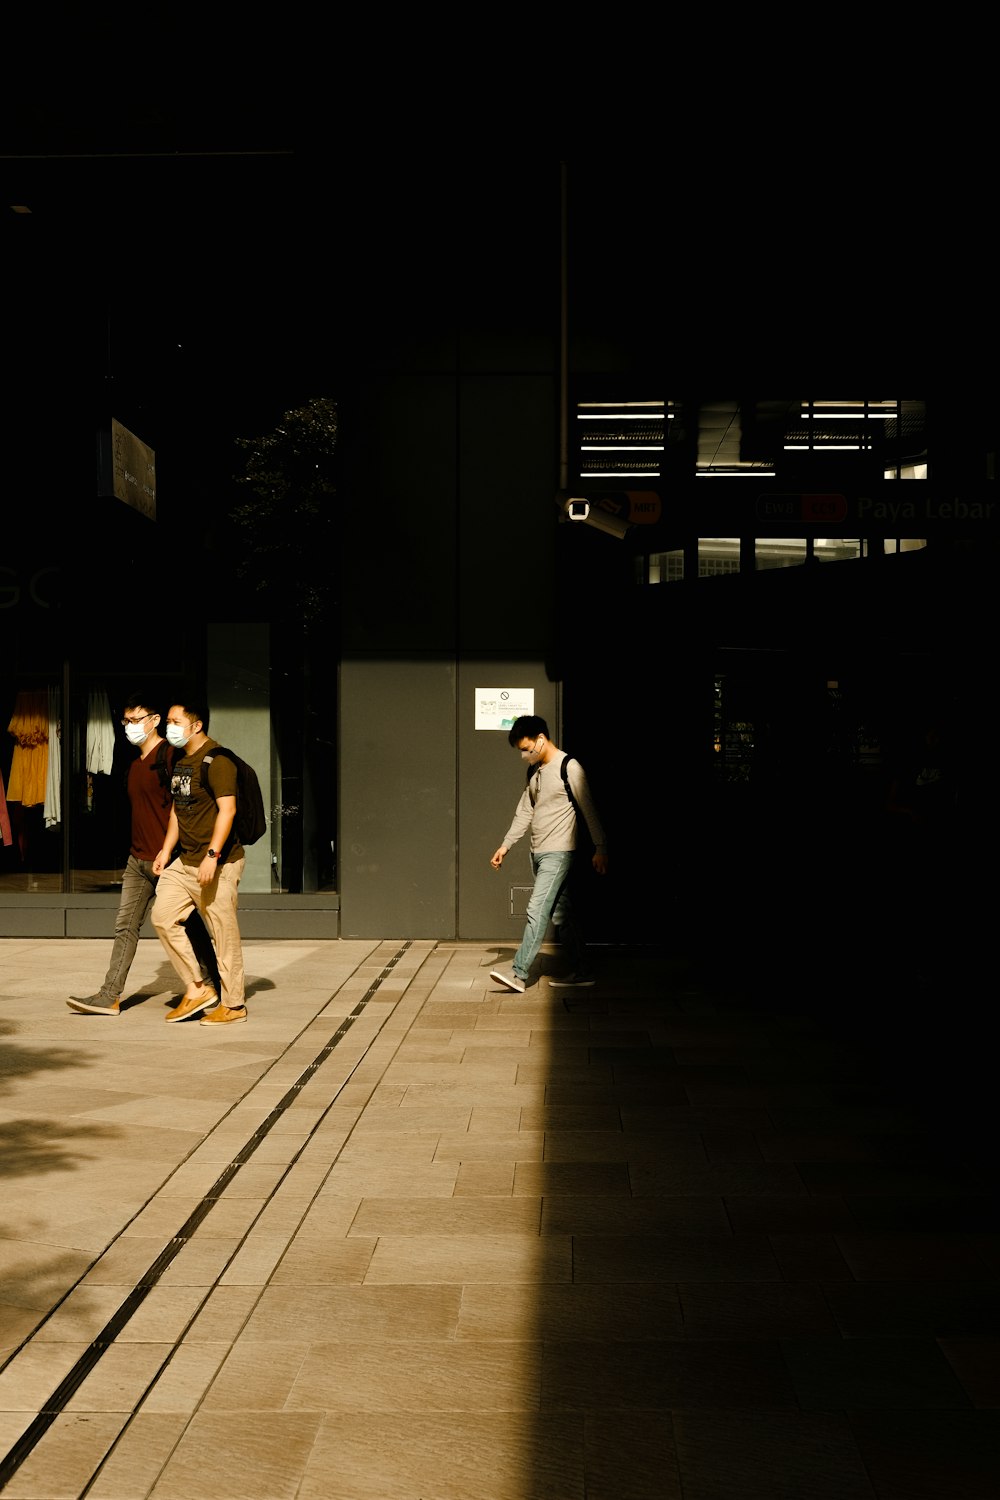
{"points": [[530, 735], [139, 720], [186, 722]]}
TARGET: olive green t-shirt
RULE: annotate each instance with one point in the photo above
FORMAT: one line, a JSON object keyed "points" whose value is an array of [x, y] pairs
{"points": [[196, 808]]}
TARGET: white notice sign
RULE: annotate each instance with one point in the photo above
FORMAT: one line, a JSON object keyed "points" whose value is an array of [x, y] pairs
{"points": [[497, 708]]}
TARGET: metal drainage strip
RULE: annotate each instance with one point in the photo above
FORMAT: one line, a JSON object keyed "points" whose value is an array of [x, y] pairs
{"points": [[72, 1381]]}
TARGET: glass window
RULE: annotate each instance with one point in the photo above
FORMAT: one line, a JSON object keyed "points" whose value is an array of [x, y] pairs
{"points": [[717, 555], [665, 567], [98, 758], [836, 548], [904, 543], [779, 552], [31, 808]]}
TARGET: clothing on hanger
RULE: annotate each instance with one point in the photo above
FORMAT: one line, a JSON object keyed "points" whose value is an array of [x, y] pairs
{"points": [[100, 733], [53, 780], [6, 837], [29, 725]]}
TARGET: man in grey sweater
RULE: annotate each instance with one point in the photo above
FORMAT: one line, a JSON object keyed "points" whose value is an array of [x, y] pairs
{"points": [[560, 813]]}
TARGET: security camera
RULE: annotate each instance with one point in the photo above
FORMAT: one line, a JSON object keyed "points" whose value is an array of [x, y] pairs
{"points": [[577, 509], [611, 524]]}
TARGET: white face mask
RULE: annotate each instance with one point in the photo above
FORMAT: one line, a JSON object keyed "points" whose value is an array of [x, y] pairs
{"points": [[136, 734], [178, 735]]}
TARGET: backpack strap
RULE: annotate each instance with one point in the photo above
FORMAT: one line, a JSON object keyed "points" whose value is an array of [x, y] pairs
{"points": [[581, 821], [164, 764], [206, 761], [564, 773], [565, 776]]}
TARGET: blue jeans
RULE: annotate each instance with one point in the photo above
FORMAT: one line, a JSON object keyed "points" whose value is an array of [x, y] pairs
{"points": [[138, 891], [550, 902]]}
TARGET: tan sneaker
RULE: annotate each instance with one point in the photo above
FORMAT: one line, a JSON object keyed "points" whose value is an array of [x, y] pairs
{"points": [[223, 1016], [192, 1004]]}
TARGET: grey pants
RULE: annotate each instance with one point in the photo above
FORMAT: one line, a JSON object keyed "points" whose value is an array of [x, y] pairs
{"points": [[138, 892]]}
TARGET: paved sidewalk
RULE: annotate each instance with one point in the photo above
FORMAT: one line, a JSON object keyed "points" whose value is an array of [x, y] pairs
{"points": [[409, 1236]]}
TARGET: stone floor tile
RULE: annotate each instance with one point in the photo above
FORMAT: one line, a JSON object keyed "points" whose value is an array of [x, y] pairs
{"points": [[769, 1455], [930, 1454], [976, 1363], [451, 1456], [262, 1459], [668, 1375], [60, 1465], [905, 1373]]}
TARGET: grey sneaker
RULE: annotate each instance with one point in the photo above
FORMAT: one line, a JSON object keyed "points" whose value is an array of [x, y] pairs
{"points": [[509, 978], [564, 981], [94, 1005]]}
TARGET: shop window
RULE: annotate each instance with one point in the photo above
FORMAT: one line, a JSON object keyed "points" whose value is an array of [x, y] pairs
{"points": [[31, 806], [779, 552], [663, 567], [718, 555], [98, 758], [836, 548], [903, 543]]}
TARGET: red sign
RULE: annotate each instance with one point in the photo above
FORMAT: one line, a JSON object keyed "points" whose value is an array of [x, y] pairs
{"points": [[644, 507]]}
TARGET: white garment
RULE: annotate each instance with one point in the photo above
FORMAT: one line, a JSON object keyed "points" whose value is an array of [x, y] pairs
{"points": [[53, 776], [100, 733]]}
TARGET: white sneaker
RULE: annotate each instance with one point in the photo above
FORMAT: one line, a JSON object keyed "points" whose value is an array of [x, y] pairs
{"points": [[558, 982], [509, 978]]}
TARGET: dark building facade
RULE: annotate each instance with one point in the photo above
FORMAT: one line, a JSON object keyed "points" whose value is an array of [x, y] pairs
{"points": [[737, 677]]}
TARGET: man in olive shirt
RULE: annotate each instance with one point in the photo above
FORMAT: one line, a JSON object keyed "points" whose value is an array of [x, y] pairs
{"points": [[207, 874], [149, 799]]}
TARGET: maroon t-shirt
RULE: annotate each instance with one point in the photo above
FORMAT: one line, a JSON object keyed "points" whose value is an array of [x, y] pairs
{"points": [[150, 800]]}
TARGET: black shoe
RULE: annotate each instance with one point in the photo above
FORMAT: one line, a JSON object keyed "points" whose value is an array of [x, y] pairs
{"points": [[94, 1005], [566, 980]]}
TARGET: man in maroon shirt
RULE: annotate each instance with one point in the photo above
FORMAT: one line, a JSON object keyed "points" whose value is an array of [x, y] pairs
{"points": [[149, 798]]}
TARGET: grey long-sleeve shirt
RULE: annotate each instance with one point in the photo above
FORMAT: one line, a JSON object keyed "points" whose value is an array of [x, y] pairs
{"points": [[551, 817]]}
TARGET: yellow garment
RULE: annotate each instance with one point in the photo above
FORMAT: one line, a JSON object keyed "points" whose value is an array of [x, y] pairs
{"points": [[30, 764]]}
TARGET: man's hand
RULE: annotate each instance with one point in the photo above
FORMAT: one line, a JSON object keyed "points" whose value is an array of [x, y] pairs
{"points": [[497, 859], [208, 869], [600, 863]]}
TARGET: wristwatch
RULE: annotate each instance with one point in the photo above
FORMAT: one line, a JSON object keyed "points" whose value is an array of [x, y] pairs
{"points": [[215, 854]]}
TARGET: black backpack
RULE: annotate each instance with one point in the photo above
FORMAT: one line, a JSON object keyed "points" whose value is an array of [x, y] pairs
{"points": [[250, 822]]}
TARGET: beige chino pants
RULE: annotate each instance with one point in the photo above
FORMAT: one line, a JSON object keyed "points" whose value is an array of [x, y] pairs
{"points": [[177, 892]]}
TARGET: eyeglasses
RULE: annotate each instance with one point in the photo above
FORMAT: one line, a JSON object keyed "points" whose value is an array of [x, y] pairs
{"points": [[141, 720]]}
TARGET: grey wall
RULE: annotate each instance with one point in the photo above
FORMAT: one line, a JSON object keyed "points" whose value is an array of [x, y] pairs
{"points": [[491, 779], [450, 468], [239, 702], [397, 798]]}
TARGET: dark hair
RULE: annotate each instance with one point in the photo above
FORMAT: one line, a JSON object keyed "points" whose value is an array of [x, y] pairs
{"points": [[141, 700], [189, 706], [527, 727]]}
